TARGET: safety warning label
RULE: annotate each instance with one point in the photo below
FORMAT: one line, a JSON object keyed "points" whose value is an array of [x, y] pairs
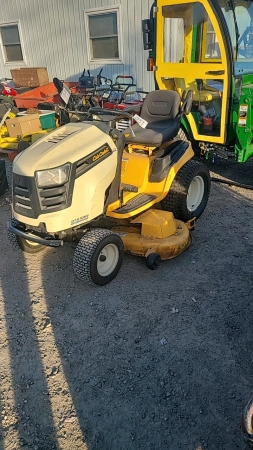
{"points": [[243, 115]]}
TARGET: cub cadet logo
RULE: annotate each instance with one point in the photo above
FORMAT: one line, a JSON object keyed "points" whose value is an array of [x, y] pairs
{"points": [[100, 154]]}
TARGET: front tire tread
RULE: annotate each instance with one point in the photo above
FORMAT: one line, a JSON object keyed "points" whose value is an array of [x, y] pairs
{"points": [[84, 260]]}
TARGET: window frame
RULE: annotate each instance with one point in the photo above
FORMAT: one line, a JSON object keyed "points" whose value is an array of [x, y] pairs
{"points": [[205, 33], [8, 24], [99, 11]]}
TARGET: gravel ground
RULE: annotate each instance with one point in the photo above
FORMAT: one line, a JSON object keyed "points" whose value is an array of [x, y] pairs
{"points": [[154, 360]]}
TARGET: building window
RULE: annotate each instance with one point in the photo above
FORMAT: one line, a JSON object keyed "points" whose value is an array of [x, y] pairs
{"points": [[11, 43], [103, 35]]}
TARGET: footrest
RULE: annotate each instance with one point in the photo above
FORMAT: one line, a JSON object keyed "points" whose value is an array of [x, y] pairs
{"points": [[128, 187], [134, 203]]}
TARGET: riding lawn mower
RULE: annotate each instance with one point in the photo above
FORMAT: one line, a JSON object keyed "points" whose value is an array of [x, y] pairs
{"points": [[138, 191], [97, 91]]}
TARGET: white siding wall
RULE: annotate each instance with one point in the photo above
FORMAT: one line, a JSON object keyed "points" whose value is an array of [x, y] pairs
{"points": [[53, 35]]}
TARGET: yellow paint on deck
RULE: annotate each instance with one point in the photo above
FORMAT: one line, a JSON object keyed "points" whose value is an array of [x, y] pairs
{"points": [[156, 224], [169, 247]]}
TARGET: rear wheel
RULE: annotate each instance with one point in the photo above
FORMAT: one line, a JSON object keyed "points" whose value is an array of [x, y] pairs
{"points": [[189, 192], [98, 256]]}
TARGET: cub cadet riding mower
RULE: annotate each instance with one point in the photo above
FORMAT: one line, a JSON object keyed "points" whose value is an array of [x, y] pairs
{"points": [[207, 46], [88, 182]]}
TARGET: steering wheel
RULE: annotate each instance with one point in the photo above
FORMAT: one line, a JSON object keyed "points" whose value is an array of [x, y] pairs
{"points": [[116, 113]]}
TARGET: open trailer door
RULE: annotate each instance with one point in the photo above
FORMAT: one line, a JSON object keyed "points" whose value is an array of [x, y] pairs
{"points": [[191, 52]]}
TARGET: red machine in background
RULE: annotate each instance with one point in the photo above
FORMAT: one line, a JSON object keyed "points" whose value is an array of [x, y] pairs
{"points": [[6, 89], [76, 98], [101, 92]]}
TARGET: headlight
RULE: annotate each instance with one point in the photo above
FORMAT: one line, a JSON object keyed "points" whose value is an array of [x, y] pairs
{"points": [[53, 177]]}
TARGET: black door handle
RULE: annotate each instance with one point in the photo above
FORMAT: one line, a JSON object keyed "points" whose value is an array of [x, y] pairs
{"points": [[215, 72]]}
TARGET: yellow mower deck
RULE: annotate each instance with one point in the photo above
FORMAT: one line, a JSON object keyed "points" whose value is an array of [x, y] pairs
{"points": [[156, 231]]}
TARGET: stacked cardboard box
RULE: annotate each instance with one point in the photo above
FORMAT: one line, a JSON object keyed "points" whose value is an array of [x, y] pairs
{"points": [[30, 76], [23, 125]]}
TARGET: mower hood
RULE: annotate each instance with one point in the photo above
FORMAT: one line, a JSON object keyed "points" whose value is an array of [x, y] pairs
{"points": [[68, 143]]}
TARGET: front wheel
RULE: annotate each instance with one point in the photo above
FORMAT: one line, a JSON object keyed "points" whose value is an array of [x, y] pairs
{"points": [[98, 256], [189, 192], [19, 242], [29, 246]]}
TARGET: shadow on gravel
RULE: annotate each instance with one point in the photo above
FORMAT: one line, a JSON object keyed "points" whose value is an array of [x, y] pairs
{"points": [[23, 385], [1, 427], [232, 170], [162, 360], [155, 360]]}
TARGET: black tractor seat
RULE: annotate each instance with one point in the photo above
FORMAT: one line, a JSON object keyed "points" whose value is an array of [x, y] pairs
{"points": [[161, 109]]}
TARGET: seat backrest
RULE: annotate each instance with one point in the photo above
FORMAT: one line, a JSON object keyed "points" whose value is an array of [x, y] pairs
{"points": [[160, 105]]}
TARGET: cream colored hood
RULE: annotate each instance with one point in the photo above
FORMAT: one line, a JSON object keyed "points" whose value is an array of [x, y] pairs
{"points": [[68, 143]]}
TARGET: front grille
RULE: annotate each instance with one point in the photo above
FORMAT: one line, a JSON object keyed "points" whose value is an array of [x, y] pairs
{"points": [[30, 201], [53, 197], [22, 189]]}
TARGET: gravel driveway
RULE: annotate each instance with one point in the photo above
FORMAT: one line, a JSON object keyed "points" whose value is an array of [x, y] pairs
{"points": [[154, 360]]}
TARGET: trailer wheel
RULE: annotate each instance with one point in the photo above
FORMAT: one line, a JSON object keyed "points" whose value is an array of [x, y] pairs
{"points": [[98, 256], [189, 192], [29, 246]]}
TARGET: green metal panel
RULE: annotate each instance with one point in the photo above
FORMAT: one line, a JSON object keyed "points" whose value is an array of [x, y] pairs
{"points": [[244, 125]]}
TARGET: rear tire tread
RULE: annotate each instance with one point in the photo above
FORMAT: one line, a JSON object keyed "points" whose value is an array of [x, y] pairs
{"points": [[175, 201]]}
